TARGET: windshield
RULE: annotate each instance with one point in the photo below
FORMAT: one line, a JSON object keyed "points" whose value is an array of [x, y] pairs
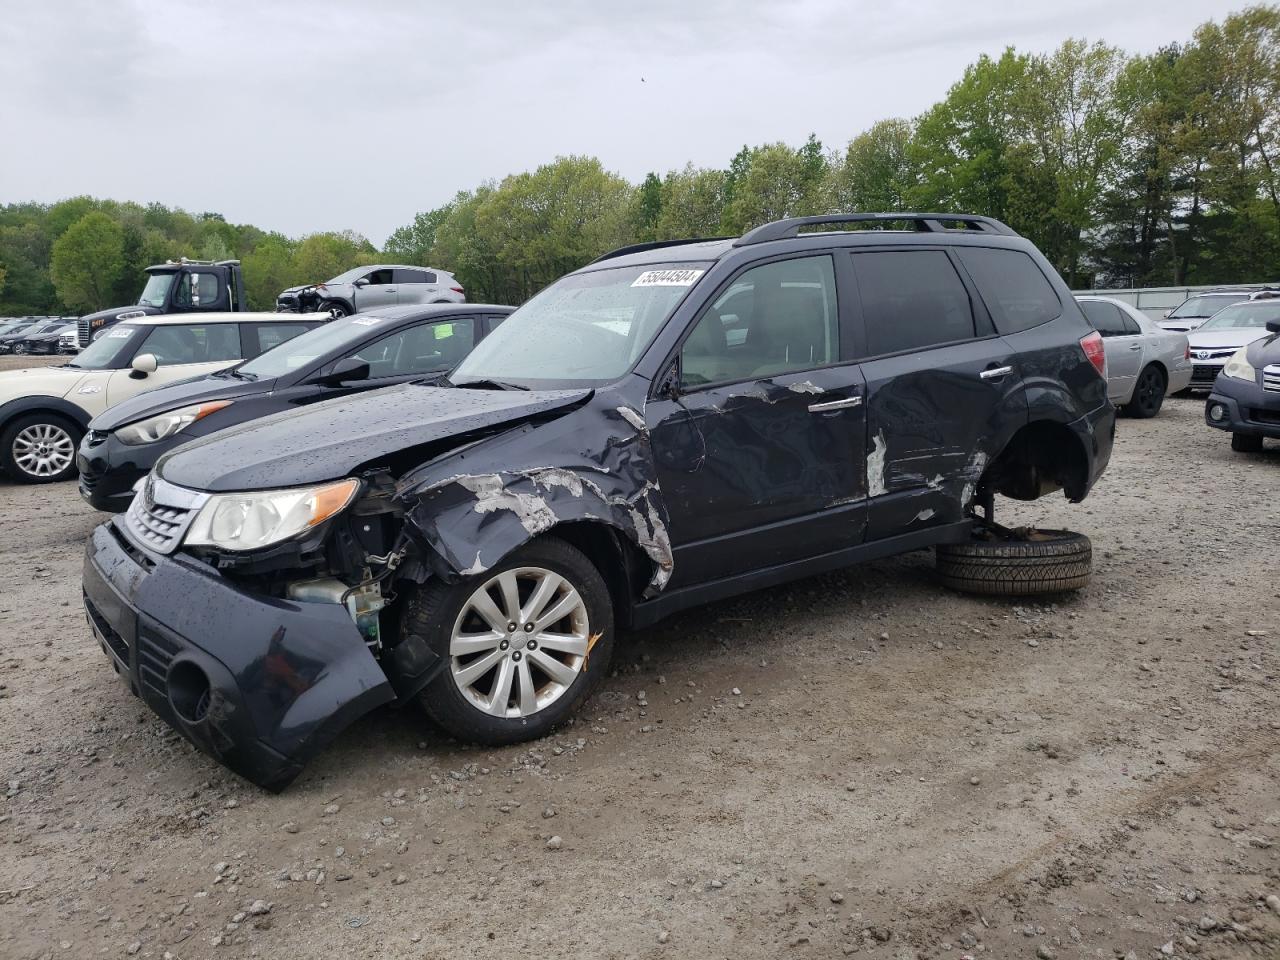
{"points": [[1241, 315], [584, 330], [107, 349], [1198, 307], [156, 291], [350, 275], [306, 347], [18, 327], [45, 326]]}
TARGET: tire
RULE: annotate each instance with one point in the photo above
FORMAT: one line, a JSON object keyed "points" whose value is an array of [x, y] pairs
{"points": [[335, 308], [1033, 562], [39, 448], [455, 698], [1148, 393], [1246, 443]]}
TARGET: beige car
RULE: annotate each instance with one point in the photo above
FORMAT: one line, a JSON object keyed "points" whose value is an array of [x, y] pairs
{"points": [[44, 411]]}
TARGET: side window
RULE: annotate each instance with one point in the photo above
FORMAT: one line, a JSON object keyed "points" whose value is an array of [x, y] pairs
{"points": [[273, 334], [1104, 317], [1130, 325], [426, 348], [494, 321], [196, 290], [193, 343], [773, 319], [911, 299], [1012, 286], [414, 276], [378, 277]]}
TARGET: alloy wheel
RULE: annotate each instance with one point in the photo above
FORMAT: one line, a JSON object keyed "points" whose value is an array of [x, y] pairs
{"points": [[43, 450], [520, 642]]}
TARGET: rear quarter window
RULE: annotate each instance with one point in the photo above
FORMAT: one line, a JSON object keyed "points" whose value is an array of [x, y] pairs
{"points": [[1016, 292]]}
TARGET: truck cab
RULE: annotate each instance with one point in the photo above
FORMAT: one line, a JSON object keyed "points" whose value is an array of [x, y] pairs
{"points": [[176, 286]]}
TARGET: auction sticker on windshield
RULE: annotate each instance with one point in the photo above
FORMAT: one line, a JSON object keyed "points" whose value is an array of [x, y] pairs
{"points": [[667, 278]]}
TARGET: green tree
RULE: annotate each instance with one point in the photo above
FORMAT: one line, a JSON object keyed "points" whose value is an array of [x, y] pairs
{"points": [[693, 203], [413, 243], [776, 181], [876, 173], [268, 269], [87, 261], [647, 209]]}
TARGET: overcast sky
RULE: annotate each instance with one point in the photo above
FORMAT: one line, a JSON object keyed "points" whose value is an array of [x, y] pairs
{"points": [[305, 115]]}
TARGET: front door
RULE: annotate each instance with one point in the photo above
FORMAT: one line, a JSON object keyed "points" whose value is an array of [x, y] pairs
{"points": [[942, 392], [759, 458], [377, 290], [182, 351]]}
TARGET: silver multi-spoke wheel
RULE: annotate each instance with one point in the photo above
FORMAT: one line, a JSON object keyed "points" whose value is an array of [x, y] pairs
{"points": [[520, 642], [43, 450]]}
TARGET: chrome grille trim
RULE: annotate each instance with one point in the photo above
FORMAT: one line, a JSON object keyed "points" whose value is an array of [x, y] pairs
{"points": [[1271, 377], [160, 514]]}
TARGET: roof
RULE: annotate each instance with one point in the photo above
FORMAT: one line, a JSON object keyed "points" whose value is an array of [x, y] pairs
{"points": [[164, 319]]}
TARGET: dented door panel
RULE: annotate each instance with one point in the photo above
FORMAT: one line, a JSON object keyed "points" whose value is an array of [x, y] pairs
{"points": [[752, 477], [934, 423]]}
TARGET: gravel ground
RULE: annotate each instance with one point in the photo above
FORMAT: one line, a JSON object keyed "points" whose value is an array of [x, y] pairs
{"points": [[861, 763]]}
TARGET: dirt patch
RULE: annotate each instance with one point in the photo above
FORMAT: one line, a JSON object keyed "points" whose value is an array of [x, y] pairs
{"points": [[861, 763]]}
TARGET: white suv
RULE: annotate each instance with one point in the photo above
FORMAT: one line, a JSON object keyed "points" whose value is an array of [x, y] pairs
{"points": [[44, 411]]}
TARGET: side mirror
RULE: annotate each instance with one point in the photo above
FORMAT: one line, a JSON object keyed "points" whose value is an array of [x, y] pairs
{"points": [[1273, 326], [362, 282], [346, 370], [143, 364]]}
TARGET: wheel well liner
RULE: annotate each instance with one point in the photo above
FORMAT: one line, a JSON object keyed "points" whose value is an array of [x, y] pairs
{"points": [[1041, 457]]}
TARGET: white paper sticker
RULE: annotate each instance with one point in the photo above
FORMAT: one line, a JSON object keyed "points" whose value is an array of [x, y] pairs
{"points": [[117, 333], [667, 278], [367, 321]]}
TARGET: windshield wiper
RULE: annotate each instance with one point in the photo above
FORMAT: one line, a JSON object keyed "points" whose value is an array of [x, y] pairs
{"points": [[484, 384]]}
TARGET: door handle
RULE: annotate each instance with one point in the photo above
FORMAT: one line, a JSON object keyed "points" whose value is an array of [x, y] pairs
{"points": [[1136, 346], [829, 405], [996, 373]]}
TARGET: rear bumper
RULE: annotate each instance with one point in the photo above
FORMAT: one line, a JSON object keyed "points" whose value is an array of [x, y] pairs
{"points": [[259, 684], [1247, 408], [1096, 431]]}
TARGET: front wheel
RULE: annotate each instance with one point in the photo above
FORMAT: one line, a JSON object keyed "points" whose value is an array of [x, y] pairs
{"points": [[1246, 443], [334, 308], [1148, 394], [39, 448], [523, 643]]}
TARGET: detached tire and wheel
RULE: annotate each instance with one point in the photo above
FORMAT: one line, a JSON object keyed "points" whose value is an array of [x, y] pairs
{"points": [[39, 448], [523, 643], [1246, 443], [1015, 563], [1148, 394]]}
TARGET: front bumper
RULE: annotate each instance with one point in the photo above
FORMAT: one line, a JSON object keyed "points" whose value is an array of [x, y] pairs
{"points": [[258, 683], [109, 469], [1249, 409]]}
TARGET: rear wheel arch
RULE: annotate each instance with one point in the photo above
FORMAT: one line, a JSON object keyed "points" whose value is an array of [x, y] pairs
{"points": [[1041, 457]]}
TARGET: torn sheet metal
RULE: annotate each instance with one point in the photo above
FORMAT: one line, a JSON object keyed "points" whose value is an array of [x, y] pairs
{"points": [[875, 466], [474, 506]]}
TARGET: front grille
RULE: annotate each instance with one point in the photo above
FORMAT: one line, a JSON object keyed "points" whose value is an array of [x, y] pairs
{"points": [[160, 514], [1271, 377], [1258, 415], [82, 331], [114, 640], [154, 656], [1204, 373]]}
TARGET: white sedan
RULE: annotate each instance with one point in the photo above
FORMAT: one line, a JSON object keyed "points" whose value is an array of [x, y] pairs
{"points": [[1144, 363]]}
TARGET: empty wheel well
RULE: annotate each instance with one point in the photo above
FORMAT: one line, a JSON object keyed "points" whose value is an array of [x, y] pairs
{"points": [[1042, 457], [623, 565]]}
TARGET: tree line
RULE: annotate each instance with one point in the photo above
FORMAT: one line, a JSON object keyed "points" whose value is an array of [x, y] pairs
{"points": [[1148, 170]]}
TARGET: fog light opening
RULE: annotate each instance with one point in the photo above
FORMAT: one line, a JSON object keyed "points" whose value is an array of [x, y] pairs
{"points": [[189, 691], [1217, 412]]}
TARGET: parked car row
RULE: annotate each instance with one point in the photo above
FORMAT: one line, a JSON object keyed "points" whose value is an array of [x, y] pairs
{"points": [[38, 335]]}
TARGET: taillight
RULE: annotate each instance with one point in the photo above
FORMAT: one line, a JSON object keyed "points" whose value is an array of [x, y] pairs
{"points": [[1186, 351], [1093, 349], [457, 290]]}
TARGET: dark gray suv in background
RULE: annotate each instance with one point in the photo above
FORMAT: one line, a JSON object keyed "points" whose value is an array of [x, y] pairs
{"points": [[672, 424]]}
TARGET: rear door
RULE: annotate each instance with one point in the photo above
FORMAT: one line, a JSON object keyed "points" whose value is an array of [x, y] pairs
{"points": [[760, 457], [1122, 341], [258, 338], [942, 387], [415, 286]]}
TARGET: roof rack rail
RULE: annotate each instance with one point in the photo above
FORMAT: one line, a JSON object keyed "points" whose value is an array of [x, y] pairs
{"points": [[654, 245], [925, 222]]}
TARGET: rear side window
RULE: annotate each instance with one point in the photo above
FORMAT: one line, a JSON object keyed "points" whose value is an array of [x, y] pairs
{"points": [[1104, 317], [911, 299], [193, 343], [273, 334], [414, 276], [1012, 286]]}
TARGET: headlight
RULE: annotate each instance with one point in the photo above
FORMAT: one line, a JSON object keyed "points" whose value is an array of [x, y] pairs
{"points": [[167, 424], [1239, 367], [247, 521]]}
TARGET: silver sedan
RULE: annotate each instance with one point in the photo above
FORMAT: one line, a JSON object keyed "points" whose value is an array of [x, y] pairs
{"points": [[1144, 363]]}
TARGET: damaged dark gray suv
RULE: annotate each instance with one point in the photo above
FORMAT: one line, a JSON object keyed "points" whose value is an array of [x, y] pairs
{"points": [[672, 424]]}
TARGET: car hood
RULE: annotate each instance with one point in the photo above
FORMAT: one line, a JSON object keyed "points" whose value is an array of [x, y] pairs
{"points": [[1221, 339], [332, 439], [174, 395], [1264, 352], [45, 381]]}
